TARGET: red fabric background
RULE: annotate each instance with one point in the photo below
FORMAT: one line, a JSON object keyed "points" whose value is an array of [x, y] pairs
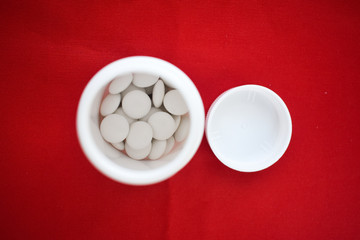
{"points": [[306, 51]]}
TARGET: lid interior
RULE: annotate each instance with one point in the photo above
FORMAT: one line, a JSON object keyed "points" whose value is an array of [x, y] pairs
{"points": [[248, 128]]}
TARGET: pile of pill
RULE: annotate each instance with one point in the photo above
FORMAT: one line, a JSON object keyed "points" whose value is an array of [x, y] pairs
{"points": [[143, 117]]}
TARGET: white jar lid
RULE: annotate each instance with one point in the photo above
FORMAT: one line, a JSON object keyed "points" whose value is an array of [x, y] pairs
{"points": [[248, 128]]}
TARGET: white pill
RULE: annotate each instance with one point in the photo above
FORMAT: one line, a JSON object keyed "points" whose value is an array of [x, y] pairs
{"points": [[174, 103], [120, 145], [163, 125], [140, 135], [136, 104], [121, 112], [110, 103], [120, 83], [158, 93], [183, 129], [169, 144], [137, 154], [177, 119], [114, 128], [151, 112], [131, 88], [144, 80], [157, 149]]}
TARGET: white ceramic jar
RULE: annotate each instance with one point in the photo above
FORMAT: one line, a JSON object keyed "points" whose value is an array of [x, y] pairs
{"points": [[112, 162]]}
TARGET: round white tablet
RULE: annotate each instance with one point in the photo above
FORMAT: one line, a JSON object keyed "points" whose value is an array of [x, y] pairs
{"points": [[169, 144], [120, 111], [151, 112], [158, 93], [120, 83], [174, 103], [177, 119], [131, 88], [110, 103], [157, 149], [183, 129], [144, 80], [163, 125], [137, 154], [136, 104], [140, 135], [114, 128], [120, 145]]}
